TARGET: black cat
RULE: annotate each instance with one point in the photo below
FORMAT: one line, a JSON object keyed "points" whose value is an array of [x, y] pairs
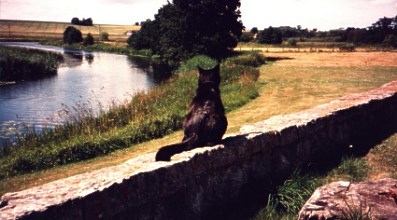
{"points": [[206, 122]]}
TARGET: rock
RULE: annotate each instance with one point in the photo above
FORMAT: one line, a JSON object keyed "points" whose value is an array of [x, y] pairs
{"points": [[345, 200]]}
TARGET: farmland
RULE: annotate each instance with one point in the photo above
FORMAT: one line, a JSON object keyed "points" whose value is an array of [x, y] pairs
{"points": [[45, 30]]}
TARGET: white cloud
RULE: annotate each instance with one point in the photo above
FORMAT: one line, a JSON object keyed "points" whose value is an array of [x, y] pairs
{"points": [[377, 2]]}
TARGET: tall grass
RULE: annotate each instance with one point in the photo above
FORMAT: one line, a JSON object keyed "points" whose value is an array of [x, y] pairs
{"points": [[17, 64], [147, 116], [290, 197]]}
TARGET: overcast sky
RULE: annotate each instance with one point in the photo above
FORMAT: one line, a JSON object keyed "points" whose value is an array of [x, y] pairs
{"points": [[321, 14]]}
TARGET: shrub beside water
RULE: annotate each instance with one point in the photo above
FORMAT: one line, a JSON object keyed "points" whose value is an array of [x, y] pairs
{"points": [[17, 64], [149, 115]]}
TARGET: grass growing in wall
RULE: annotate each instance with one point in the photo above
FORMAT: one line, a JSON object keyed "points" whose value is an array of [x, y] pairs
{"points": [[290, 197], [147, 116], [17, 64]]}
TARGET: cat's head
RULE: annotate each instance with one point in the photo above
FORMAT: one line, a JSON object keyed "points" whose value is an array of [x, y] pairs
{"points": [[210, 76]]}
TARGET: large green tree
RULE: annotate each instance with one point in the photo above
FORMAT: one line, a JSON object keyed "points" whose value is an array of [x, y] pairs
{"points": [[185, 28]]}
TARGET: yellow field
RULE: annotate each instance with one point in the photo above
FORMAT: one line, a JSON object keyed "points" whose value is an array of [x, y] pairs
{"points": [[44, 30]]}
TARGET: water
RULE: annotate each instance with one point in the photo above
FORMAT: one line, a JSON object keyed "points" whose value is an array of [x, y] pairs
{"points": [[89, 80]]}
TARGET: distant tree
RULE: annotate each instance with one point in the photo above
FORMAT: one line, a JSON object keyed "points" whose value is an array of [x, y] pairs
{"points": [[72, 35], [75, 21], [136, 24], [89, 40], [391, 40], [289, 32], [246, 37], [145, 38], [270, 35], [190, 27], [85, 22], [254, 30], [381, 29]]}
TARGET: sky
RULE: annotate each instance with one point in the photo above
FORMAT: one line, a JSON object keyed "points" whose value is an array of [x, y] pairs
{"points": [[321, 14]]}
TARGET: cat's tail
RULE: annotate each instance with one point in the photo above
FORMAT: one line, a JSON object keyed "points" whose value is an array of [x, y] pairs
{"points": [[165, 153]]}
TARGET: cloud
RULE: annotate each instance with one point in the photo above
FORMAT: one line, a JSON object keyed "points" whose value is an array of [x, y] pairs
{"points": [[383, 2]]}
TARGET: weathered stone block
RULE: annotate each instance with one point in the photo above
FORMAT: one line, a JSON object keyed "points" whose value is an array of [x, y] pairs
{"points": [[341, 200]]}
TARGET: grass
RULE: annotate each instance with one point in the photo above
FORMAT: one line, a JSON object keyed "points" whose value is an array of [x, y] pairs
{"points": [[286, 86], [40, 30], [147, 116], [19, 64], [383, 158], [308, 47], [290, 197], [110, 47]]}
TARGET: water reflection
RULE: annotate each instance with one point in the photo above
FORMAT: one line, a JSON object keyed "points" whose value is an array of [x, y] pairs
{"points": [[72, 59], [89, 57], [89, 79], [158, 71]]}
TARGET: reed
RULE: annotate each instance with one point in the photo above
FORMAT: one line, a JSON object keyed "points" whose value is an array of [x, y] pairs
{"points": [[19, 64]]}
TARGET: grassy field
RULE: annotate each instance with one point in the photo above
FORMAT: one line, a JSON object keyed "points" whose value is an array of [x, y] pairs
{"points": [[44, 30], [307, 47]]}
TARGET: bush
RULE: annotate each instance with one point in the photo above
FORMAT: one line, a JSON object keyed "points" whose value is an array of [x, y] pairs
{"points": [[104, 36], [72, 35], [292, 42], [347, 48], [89, 40]]}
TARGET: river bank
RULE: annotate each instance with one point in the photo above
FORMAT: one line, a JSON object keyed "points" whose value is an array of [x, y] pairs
{"points": [[148, 115]]}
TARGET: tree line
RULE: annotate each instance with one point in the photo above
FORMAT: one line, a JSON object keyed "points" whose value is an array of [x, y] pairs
{"points": [[383, 31], [84, 22]]}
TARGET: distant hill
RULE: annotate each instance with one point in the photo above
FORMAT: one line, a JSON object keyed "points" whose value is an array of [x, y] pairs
{"points": [[49, 30]]}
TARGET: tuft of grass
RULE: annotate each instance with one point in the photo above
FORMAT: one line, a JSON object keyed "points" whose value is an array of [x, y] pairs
{"points": [[351, 169], [289, 198], [355, 212], [147, 116], [385, 154]]}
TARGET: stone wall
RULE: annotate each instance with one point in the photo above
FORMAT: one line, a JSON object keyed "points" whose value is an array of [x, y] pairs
{"points": [[228, 181]]}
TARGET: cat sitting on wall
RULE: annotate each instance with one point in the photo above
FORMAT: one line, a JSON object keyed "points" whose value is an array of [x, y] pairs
{"points": [[206, 122]]}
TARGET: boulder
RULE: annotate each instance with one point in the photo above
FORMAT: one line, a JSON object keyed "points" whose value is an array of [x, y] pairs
{"points": [[346, 200]]}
